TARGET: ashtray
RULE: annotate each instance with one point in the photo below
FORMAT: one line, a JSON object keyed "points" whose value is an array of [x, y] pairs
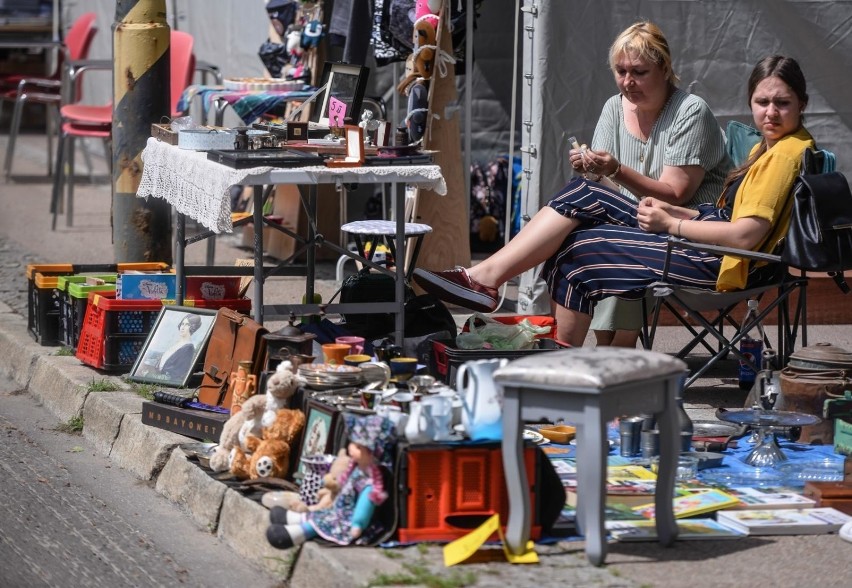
{"points": [[558, 433]]}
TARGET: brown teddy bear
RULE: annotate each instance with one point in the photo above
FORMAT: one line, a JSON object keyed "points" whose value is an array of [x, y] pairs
{"points": [[258, 412], [270, 458]]}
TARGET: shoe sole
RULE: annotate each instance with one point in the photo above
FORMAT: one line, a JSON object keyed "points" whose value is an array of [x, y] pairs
{"points": [[451, 292]]}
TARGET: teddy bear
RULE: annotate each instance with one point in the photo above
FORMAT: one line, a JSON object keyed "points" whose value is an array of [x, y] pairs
{"points": [[269, 458], [325, 495], [280, 387]]}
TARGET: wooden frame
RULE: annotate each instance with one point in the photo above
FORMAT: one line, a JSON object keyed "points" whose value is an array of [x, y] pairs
{"points": [[170, 354], [354, 149], [346, 83]]}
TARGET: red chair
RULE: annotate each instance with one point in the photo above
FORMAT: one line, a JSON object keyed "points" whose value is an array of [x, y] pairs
{"points": [[48, 91], [87, 121]]}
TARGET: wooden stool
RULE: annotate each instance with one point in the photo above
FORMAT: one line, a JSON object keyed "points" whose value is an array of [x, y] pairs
{"points": [[375, 231], [588, 387]]}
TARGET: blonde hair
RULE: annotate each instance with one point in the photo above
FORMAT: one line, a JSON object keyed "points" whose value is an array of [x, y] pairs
{"points": [[645, 40]]}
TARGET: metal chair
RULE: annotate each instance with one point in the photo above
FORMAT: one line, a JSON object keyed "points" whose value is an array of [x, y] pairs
{"points": [[47, 91], [87, 121]]}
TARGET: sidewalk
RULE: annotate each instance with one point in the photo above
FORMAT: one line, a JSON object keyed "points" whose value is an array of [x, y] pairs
{"points": [[113, 424]]}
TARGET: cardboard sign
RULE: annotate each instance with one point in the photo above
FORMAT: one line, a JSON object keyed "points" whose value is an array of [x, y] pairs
{"points": [[336, 112]]}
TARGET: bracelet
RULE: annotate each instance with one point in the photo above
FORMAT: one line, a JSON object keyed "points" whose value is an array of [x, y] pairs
{"points": [[616, 172], [680, 222]]}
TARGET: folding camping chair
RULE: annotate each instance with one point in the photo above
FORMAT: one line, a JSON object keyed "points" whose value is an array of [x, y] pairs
{"points": [[688, 303]]}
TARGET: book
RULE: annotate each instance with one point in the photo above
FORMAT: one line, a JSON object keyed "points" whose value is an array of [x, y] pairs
{"points": [[626, 485], [693, 503], [768, 498], [687, 530], [786, 521]]}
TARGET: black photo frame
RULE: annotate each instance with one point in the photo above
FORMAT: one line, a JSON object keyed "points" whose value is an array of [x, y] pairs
{"points": [[345, 82], [175, 347]]}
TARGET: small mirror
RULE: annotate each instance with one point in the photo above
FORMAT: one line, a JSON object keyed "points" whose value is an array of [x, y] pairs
{"points": [[341, 102]]}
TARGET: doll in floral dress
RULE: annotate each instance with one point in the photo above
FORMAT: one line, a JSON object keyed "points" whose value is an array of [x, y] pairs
{"points": [[349, 519]]}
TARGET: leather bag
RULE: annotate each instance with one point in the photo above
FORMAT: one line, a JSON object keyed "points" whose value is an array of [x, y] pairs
{"points": [[234, 338], [820, 235]]}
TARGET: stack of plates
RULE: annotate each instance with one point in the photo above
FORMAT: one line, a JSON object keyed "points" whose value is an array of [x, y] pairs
{"points": [[323, 376]]}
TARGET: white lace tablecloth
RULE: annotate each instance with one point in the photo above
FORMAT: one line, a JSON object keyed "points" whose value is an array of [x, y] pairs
{"points": [[199, 188]]}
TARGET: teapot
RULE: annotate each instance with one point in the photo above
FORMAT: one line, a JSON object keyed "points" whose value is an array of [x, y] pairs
{"points": [[481, 403]]}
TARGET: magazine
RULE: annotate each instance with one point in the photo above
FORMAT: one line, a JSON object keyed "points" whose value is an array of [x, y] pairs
{"points": [[765, 498], [693, 504], [687, 530], [807, 521]]}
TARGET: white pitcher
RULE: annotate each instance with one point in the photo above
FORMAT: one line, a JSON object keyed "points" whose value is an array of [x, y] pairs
{"points": [[482, 410], [420, 427]]}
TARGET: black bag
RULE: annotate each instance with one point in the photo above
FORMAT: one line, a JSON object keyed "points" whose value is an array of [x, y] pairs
{"points": [[820, 235], [368, 286]]}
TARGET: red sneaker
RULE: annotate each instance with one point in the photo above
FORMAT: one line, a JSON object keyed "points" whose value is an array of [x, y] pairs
{"points": [[457, 287]]}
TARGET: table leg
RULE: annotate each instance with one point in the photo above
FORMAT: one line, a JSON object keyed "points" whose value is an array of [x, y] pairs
{"points": [[311, 253], [180, 250], [667, 421], [399, 291], [258, 253], [592, 449], [518, 525]]}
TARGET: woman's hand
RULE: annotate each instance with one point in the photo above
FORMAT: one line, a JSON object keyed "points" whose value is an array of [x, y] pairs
{"points": [[654, 216], [599, 162]]}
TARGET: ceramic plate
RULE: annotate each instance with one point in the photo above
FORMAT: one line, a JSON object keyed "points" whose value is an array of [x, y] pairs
{"points": [[535, 437]]}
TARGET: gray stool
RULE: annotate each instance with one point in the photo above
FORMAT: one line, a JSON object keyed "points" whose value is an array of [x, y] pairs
{"points": [[376, 231], [588, 387]]}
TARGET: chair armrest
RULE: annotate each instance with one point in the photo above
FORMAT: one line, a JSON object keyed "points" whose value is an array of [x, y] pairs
{"points": [[75, 67], [42, 83], [207, 67], [721, 250]]}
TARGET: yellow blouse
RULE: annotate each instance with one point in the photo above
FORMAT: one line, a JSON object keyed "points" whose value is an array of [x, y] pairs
{"points": [[764, 193]]}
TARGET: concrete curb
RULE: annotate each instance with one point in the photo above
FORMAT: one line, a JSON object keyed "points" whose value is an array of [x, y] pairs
{"points": [[113, 424]]}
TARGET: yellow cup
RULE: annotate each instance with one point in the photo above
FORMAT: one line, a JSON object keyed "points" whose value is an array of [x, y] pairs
{"points": [[335, 352], [356, 359]]}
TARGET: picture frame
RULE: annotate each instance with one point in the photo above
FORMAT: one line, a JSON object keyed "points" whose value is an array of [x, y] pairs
{"points": [[175, 347], [345, 82], [318, 437]]}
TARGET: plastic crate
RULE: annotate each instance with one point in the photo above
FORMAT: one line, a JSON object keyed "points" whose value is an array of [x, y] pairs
{"points": [[445, 491], [114, 331], [43, 306], [73, 300], [446, 357]]}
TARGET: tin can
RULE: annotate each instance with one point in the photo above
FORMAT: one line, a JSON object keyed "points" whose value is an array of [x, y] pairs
{"points": [[752, 349], [650, 443], [630, 430]]}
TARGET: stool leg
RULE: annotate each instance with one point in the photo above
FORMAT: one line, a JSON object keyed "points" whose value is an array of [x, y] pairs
{"points": [[518, 525], [69, 208], [669, 426], [418, 242], [58, 180], [591, 482]]}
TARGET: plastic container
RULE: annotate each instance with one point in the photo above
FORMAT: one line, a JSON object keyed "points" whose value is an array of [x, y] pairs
{"points": [[446, 357], [114, 331], [74, 298]]}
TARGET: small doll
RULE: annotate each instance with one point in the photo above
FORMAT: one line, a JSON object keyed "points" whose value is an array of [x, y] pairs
{"points": [[349, 520]]}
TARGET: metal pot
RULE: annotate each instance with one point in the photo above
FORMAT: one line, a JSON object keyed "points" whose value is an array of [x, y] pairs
{"points": [[813, 375]]}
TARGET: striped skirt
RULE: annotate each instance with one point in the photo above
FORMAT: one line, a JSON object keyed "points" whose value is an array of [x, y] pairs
{"points": [[609, 255]]}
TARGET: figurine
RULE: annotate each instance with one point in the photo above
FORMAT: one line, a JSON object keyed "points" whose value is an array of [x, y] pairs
{"points": [[362, 489], [370, 125]]}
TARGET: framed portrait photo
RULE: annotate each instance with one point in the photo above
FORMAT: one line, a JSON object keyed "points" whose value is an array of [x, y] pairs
{"points": [[319, 434], [175, 346], [345, 85]]}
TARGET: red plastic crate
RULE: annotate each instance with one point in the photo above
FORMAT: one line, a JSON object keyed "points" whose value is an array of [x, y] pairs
{"points": [[114, 331], [447, 490]]}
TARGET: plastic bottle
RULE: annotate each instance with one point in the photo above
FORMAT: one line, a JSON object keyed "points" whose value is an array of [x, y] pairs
{"points": [[751, 346]]}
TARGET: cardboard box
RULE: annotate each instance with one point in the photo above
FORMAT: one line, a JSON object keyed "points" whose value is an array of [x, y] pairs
{"points": [[212, 287], [197, 424], [833, 494], [146, 286]]}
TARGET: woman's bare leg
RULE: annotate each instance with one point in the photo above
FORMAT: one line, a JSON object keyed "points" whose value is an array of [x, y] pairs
{"points": [[571, 326], [619, 338], [538, 240]]}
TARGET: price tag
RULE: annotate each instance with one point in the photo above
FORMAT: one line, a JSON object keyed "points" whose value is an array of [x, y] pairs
{"points": [[336, 112]]}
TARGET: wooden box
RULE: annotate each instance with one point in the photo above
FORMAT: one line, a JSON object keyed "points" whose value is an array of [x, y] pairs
{"points": [[197, 424], [164, 133], [834, 494]]}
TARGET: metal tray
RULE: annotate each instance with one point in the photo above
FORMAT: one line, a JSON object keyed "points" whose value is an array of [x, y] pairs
{"points": [[242, 159]]}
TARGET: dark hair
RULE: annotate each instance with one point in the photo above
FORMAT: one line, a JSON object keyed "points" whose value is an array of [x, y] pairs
{"points": [[788, 71], [193, 320]]}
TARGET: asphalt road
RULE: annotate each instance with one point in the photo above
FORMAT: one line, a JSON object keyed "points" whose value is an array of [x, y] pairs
{"points": [[68, 517]]}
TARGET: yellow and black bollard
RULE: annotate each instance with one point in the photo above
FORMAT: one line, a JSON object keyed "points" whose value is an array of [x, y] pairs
{"points": [[141, 229]]}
